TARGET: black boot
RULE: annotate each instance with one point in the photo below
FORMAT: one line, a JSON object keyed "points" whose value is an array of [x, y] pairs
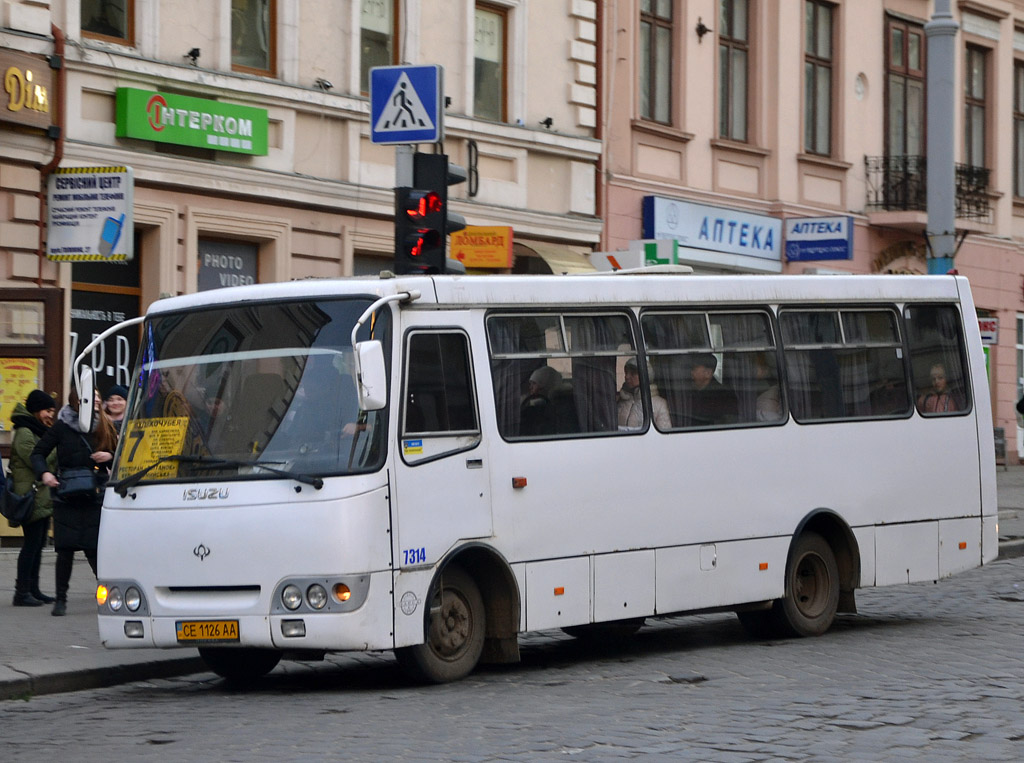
{"points": [[60, 608], [22, 598], [37, 594]]}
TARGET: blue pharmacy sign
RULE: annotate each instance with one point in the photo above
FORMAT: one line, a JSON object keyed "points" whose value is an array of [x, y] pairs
{"points": [[405, 104], [819, 238], [720, 237]]}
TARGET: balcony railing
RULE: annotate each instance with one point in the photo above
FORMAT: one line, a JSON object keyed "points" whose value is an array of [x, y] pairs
{"points": [[898, 183]]}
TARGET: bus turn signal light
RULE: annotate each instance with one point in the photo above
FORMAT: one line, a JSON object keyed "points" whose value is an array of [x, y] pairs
{"points": [[518, 482], [101, 595], [342, 592]]}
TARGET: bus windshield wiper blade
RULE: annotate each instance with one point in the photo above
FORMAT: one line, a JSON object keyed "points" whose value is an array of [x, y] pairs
{"points": [[213, 462], [121, 487]]}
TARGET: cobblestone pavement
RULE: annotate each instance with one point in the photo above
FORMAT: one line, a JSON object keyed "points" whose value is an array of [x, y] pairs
{"points": [[924, 672]]}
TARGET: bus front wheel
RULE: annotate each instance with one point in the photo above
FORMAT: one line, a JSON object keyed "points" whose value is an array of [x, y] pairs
{"points": [[455, 635], [240, 665]]}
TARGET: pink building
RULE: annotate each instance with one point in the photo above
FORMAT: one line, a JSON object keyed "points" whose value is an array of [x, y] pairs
{"points": [[744, 114]]}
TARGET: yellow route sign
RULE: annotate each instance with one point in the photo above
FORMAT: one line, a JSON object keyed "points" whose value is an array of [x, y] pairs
{"points": [[148, 440]]}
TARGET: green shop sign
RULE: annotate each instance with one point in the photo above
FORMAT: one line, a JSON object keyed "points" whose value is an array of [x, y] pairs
{"points": [[186, 121]]}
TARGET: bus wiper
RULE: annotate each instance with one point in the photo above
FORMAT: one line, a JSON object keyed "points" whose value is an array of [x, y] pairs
{"points": [[121, 487], [210, 462], [213, 462]]}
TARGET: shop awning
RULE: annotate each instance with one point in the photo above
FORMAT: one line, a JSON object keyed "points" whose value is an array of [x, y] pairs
{"points": [[561, 259]]}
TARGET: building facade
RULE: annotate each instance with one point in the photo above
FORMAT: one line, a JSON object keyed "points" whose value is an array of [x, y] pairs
{"points": [[722, 118]]}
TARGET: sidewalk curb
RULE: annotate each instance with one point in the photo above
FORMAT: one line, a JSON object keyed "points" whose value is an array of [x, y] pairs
{"points": [[98, 677], [1011, 549]]}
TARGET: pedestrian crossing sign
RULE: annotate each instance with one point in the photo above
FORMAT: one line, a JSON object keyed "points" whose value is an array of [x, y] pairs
{"points": [[405, 104]]}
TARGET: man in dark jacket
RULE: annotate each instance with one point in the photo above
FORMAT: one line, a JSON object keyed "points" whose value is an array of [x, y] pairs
{"points": [[710, 403]]}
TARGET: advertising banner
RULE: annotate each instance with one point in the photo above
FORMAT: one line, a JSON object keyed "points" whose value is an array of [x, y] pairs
{"points": [[187, 121], [90, 214], [480, 246]]}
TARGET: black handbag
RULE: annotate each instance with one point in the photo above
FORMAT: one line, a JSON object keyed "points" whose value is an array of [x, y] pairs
{"points": [[78, 482], [17, 508]]}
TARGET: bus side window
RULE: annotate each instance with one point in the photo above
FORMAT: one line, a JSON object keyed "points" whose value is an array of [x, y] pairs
{"points": [[937, 360], [844, 364]]}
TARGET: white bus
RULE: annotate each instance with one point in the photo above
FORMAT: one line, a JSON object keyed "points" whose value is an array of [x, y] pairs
{"points": [[433, 465]]}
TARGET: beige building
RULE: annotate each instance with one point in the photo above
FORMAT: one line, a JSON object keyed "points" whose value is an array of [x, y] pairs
{"points": [[246, 126], [725, 116]]}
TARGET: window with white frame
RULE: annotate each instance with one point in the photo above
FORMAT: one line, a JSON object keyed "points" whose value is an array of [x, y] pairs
{"points": [[490, 62], [378, 33]]}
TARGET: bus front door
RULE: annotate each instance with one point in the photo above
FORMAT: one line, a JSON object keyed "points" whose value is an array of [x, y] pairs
{"points": [[442, 487]]}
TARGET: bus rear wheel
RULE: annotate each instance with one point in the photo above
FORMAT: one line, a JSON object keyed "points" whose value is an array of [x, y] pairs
{"points": [[812, 594], [240, 665], [812, 588], [455, 635]]}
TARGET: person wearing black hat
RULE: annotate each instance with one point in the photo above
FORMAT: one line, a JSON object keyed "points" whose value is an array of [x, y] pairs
{"points": [[114, 403], [31, 420]]}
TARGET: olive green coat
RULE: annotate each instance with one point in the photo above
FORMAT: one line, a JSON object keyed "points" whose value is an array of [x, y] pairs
{"points": [[22, 476]]}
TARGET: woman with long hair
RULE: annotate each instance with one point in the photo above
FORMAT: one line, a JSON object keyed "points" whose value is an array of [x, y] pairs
{"points": [[76, 518]]}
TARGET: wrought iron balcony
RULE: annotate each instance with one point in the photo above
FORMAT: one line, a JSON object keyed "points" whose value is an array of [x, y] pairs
{"points": [[898, 183]]}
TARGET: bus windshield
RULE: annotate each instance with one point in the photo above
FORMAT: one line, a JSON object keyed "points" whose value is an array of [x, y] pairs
{"points": [[252, 390]]}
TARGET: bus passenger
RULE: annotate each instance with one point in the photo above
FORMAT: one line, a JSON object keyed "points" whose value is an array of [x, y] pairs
{"points": [[630, 402], [711, 403], [939, 399], [768, 406], [536, 413]]}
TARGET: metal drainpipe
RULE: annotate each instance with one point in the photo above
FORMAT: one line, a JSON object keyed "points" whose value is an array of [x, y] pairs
{"points": [[58, 149]]}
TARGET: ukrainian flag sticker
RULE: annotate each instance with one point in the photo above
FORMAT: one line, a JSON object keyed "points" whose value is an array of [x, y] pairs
{"points": [[412, 447]]}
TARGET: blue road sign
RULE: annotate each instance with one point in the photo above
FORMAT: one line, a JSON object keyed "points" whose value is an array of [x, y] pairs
{"points": [[405, 104]]}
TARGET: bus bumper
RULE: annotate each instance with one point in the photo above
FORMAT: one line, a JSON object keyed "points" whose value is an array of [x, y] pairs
{"points": [[367, 628]]}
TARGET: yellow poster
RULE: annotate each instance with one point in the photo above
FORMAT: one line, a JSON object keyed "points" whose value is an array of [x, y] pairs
{"points": [[147, 441], [18, 377], [478, 246]]}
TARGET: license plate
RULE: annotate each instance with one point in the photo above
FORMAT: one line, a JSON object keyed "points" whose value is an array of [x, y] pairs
{"points": [[207, 630]]}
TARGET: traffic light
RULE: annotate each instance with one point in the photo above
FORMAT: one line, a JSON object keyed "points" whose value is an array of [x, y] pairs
{"points": [[422, 220]]}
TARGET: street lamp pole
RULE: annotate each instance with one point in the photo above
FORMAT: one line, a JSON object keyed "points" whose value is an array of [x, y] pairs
{"points": [[940, 32]]}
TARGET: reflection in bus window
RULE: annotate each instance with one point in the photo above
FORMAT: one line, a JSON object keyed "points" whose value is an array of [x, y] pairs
{"points": [[936, 360], [844, 364], [555, 375]]}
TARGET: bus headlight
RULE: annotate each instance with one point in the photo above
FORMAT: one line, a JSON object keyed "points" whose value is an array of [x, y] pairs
{"points": [[132, 599], [316, 595], [114, 599], [291, 597]]}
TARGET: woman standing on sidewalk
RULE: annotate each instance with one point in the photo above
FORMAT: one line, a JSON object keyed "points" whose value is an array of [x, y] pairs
{"points": [[76, 520], [31, 420]]}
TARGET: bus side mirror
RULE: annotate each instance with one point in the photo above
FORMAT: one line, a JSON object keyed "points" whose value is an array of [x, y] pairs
{"points": [[86, 393], [371, 376]]}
